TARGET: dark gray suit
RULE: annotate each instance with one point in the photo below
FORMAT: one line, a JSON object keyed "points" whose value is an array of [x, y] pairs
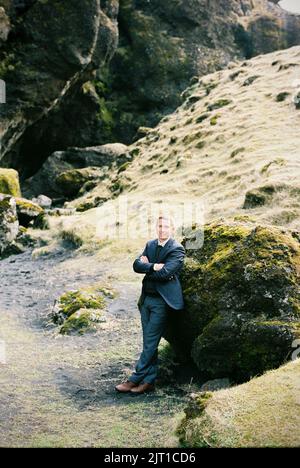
{"points": [[154, 310], [166, 280]]}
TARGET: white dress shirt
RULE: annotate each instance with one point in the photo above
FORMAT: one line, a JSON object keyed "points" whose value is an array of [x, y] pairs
{"points": [[162, 243]]}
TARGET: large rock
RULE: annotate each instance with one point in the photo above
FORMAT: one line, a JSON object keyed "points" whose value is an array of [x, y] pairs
{"points": [[9, 182], [107, 156], [28, 211], [63, 92], [9, 224], [242, 299], [45, 69], [78, 311], [71, 181]]}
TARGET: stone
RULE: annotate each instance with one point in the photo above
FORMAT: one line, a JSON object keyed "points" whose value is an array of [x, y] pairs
{"points": [[9, 182], [9, 224], [242, 299], [27, 210]]}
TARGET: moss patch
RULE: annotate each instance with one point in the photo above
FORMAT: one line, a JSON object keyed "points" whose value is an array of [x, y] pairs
{"points": [[79, 310], [9, 182]]}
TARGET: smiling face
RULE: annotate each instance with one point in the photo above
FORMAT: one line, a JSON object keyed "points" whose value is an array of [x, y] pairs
{"points": [[164, 228]]}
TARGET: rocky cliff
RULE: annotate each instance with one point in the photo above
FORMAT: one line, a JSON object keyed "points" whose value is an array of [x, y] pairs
{"points": [[70, 82], [49, 50]]}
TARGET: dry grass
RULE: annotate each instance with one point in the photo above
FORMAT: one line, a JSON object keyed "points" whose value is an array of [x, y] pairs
{"points": [[264, 412], [253, 143]]}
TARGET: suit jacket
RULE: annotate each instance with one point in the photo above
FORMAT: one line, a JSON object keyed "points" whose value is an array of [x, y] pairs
{"points": [[167, 279]]}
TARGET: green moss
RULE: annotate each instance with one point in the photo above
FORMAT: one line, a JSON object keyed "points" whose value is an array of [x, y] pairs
{"points": [[218, 104], [71, 181], [4, 204], [79, 310], [8, 63], [81, 321], [282, 96], [71, 237], [9, 182], [279, 161], [173, 140], [134, 151], [200, 144], [202, 117], [187, 139], [196, 406], [74, 300], [250, 80], [214, 119], [28, 206], [237, 151], [124, 166], [210, 86]]}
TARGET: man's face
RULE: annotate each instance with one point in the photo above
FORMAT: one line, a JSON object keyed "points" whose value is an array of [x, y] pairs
{"points": [[163, 229]]}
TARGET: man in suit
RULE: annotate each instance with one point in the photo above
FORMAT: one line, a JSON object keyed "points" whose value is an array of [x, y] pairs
{"points": [[161, 262]]}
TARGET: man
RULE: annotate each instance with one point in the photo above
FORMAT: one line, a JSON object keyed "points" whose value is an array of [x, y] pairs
{"points": [[161, 261]]}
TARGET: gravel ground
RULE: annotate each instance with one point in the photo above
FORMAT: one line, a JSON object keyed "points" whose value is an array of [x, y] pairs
{"points": [[59, 390]]}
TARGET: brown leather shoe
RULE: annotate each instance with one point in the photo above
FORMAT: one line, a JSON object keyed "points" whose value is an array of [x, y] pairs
{"points": [[125, 386], [142, 388]]}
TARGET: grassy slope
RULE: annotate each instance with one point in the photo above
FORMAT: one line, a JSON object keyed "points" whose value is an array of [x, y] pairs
{"points": [[264, 412], [253, 143]]}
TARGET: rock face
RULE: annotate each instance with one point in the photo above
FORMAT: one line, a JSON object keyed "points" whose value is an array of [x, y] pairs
{"points": [[62, 91], [242, 299], [80, 163], [9, 224], [163, 44], [53, 48]]}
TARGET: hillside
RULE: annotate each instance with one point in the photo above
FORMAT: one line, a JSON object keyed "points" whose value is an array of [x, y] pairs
{"points": [[237, 159], [230, 152], [262, 413]]}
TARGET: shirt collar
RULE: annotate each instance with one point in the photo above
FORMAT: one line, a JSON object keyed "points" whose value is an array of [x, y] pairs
{"points": [[162, 243]]}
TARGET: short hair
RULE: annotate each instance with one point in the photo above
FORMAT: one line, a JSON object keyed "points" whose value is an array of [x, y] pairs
{"points": [[168, 218]]}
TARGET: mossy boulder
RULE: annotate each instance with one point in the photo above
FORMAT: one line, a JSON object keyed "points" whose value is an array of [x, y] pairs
{"points": [[242, 299], [9, 224], [79, 310], [259, 196], [81, 321], [28, 211], [71, 181], [9, 182], [267, 194]]}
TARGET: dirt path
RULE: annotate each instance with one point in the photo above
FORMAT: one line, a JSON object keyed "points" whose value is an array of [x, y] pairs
{"points": [[59, 390]]}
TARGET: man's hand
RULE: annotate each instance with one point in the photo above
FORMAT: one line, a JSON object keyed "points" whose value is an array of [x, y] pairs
{"points": [[144, 259], [156, 266]]}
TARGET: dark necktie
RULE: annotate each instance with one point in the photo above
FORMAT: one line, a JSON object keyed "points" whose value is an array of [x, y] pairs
{"points": [[158, 249], [149, 284]]}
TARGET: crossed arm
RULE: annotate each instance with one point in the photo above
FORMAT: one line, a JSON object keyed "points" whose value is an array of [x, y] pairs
{"points": [[173, 263]]}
